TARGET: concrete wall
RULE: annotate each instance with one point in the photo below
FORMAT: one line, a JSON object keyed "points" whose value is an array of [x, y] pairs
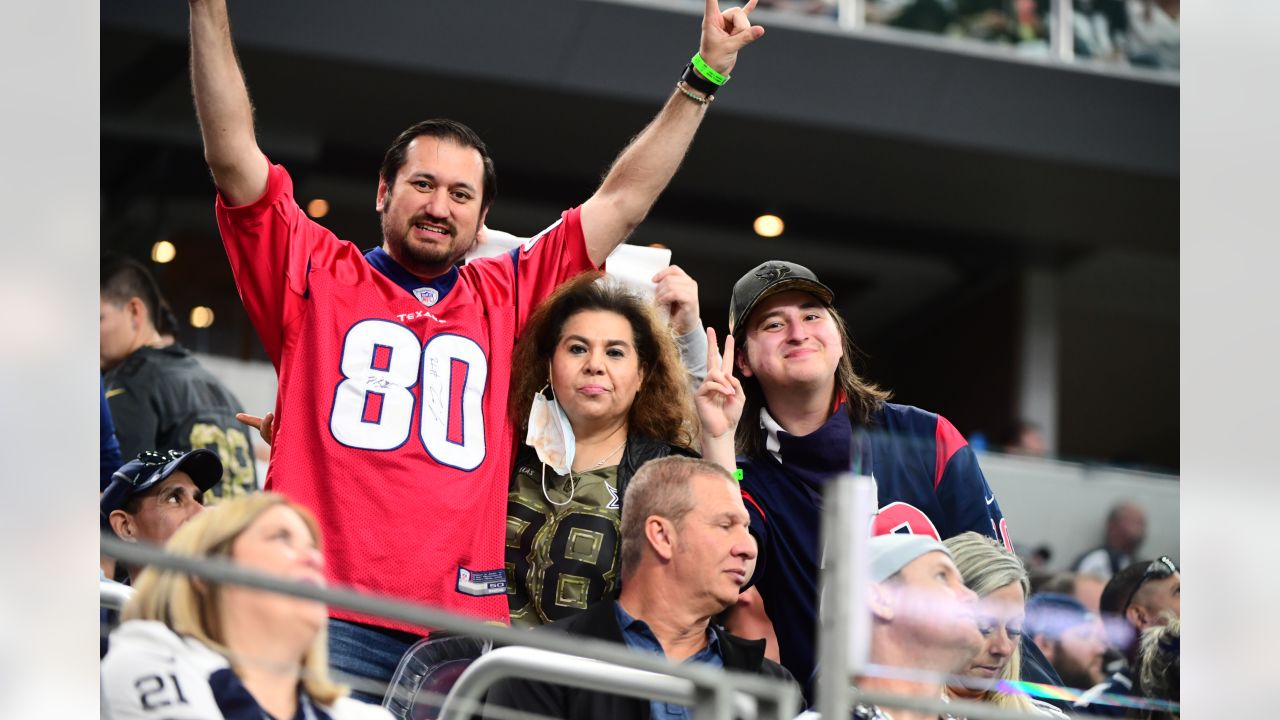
{"points": [[1064, 505]]}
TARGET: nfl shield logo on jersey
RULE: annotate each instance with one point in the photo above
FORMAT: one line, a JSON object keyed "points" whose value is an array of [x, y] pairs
{"points": [[427, 295]]}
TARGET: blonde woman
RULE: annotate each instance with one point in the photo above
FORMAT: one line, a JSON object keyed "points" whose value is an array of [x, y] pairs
{"points": [[1000, 581], [188, 649]]}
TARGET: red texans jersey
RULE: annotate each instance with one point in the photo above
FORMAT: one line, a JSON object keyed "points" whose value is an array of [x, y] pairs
{"points": [[392, 399]]}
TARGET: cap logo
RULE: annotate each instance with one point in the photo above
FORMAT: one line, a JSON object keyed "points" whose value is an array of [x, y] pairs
{"points": [[773, 273]]}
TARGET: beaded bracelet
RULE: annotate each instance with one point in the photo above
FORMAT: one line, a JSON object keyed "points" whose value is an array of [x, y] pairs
{"points": [[683, 87]]}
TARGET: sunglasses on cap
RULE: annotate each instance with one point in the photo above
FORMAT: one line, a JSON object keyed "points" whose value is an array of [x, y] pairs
{"points": [[1160, 568], [150, 459]]}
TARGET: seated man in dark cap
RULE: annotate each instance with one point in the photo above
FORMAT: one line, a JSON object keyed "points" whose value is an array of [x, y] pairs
{"points": [[1070, 636], [151, 496]]}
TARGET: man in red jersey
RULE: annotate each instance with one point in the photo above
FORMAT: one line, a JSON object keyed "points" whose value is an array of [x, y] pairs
{"points": [[394, 365]]}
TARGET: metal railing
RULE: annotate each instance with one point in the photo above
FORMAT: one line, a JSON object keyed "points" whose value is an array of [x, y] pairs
{"points": [[844, 638], [532, 664], [715, 690], [113, 595]]}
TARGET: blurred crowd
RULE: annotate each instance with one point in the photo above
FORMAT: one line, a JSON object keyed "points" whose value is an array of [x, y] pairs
{"points": [[1138, 33]]}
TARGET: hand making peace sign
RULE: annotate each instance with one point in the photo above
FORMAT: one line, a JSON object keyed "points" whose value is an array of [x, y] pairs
{"points": [[720, 397]]}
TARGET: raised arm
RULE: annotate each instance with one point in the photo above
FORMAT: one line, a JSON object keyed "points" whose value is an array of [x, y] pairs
{"points": [[641, 172], [222, 106]]}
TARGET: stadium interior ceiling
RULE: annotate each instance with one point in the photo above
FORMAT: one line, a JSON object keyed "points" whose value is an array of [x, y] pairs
{"points": [[952, 198]]}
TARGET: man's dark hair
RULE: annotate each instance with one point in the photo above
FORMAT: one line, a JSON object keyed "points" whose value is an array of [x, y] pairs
{"points": [[124, 278], [444, 129]]}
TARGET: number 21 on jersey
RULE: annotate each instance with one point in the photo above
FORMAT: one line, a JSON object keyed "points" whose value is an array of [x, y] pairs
{"points": [[373, 406]]}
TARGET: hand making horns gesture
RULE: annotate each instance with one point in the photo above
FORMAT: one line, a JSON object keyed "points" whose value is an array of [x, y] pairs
{"points": [[725, 33]]}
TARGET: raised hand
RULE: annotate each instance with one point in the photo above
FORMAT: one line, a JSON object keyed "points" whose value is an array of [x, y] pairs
{"points": [[720, 397], [678, 294], [725, 33]]}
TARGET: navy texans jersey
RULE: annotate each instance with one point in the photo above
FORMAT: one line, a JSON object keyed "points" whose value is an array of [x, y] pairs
{"points": [[928, 482]]}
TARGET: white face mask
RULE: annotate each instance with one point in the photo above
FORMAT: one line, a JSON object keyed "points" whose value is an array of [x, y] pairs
{"points": [[550, 433]]}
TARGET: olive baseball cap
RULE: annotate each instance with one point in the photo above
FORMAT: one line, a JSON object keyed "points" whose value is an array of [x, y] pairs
{"points": [[769, 278]]}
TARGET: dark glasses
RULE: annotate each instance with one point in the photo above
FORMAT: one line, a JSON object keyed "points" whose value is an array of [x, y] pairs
{"points": [[1160, 568], [150, 459]]}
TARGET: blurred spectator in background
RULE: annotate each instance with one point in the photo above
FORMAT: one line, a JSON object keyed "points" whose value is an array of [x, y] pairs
{"points": [[150, 497], [1125, 531], [1101, 27], [160, 397], [192, 649], [167, 325], [1159, 666], [802, 7], [1028, 439], [1082, 586], [1000, 581], [1035, 559], [931, 16], [1142, 596], [1071, 637], [685, 554], [1154, 36]]}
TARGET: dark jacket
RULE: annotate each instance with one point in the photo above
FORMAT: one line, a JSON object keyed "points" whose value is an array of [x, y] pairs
{"points": [[163, 399], [599, 621]]}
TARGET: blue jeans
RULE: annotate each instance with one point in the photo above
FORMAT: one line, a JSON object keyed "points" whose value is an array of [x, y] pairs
{"points": [[367, 653]]}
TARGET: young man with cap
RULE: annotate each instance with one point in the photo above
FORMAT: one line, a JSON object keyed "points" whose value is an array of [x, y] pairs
{"points": [[922, 618], [1070, 636], [1144, 595], [150, 497], [807, 416]]}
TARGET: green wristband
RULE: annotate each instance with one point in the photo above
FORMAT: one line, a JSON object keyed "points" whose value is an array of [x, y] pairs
{"points": [[737, 474], [707, 71]]}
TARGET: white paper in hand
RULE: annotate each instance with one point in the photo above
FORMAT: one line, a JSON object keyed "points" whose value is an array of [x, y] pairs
{"points": [[635, 265]]}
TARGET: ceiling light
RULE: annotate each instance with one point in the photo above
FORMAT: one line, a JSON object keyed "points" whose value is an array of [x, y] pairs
{"points": [[201, 316], [768, 226], [318, 208], [163, 251]]}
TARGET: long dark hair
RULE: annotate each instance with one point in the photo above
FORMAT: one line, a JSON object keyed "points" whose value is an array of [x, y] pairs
{"points": [[663, 408], [862, 397]]}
